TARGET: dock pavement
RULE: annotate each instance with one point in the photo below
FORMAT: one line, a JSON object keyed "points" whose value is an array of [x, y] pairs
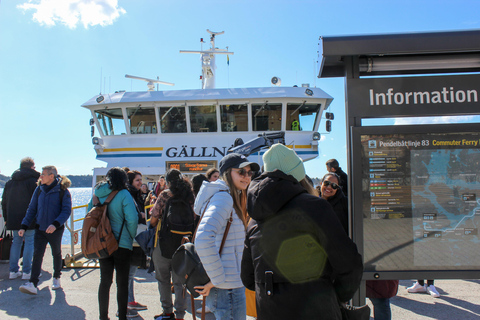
{"points": [[460, 299]]}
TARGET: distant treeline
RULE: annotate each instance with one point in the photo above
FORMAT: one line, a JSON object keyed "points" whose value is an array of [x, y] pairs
{"points": [[77, 181]]}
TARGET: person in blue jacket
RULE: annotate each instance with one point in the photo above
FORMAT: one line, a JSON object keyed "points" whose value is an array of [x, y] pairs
{"points": [[50, 206], [124, 220]]}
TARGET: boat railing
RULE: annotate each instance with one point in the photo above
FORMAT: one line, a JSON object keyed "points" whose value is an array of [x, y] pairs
{"points": [[76, 259]]}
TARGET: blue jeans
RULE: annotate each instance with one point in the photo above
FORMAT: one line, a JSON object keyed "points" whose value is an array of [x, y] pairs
{"points": [[131, 276], [16, 250], [41, 240], [381, 308], [228, 304]]}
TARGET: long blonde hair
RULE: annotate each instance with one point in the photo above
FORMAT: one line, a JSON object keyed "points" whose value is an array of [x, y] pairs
{"points": [[307, 186], [239, 197]]}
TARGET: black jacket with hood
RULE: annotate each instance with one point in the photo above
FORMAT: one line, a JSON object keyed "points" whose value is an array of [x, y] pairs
{"points": [[339, 204], [16, 197], [297, 256]]}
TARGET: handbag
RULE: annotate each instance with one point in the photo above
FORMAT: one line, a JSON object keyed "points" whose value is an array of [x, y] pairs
{"points": [[146, 240], [355, 313], [5, 245], [186, 264]]}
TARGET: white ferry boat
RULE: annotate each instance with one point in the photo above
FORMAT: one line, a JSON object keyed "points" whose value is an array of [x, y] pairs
{"points": [[191, 130]]}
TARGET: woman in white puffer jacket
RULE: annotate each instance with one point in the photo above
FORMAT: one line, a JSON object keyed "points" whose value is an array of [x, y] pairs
{"points": [[218, 201]]}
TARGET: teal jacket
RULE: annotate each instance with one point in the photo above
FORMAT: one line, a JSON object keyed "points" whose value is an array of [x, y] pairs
{"points": [[122, 208]]}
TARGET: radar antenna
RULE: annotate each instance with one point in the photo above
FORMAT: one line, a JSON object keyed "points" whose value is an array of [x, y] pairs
{"points": [[208, 60], [150, 82]]}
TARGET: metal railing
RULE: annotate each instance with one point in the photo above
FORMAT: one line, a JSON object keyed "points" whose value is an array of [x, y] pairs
{"points": [[72, 259]]}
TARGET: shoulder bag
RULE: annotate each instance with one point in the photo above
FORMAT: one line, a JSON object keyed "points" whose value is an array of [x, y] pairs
{"points": [[187, 265]]}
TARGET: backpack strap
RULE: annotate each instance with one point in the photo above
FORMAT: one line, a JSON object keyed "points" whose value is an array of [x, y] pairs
{"points": [[96, 203]]}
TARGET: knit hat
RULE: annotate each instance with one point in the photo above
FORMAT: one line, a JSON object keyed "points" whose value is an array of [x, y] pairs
{"points": [[284, 159]]}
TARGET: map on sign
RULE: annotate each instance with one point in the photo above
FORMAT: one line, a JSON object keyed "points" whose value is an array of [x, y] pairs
{"points": [[445, 195], [420, 198]]}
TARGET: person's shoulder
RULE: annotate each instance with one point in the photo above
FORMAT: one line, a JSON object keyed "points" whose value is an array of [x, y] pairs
{"points": [[223, 196], [124, 193]]}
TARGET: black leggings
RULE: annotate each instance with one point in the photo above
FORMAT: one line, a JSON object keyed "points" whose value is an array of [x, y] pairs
{"points": [[429, 282], [120, 262]]}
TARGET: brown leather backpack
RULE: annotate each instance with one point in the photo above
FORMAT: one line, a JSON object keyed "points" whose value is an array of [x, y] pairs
{"points": [[98, 240]]}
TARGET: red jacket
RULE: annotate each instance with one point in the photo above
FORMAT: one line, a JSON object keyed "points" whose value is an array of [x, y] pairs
{"points": [[382, 288]]}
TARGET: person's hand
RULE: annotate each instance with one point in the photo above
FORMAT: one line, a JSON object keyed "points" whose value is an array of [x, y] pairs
{"points": [[142, 214], [51, 229], [21, 232], [204, 290]]}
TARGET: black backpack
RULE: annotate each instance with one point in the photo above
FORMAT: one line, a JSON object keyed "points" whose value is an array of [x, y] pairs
{"points": [[178, 221]]}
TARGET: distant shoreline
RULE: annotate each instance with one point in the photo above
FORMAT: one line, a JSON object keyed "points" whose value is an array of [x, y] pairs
{"points": [[80, 181]]}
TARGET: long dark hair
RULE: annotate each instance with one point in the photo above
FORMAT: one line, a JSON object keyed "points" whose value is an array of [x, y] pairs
{"points": [[116, 178], [197, 182], [239, 197], [179, 186], [131, 175]]}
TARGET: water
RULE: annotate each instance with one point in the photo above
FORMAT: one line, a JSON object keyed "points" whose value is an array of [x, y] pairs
{"points": [[80, 196]]}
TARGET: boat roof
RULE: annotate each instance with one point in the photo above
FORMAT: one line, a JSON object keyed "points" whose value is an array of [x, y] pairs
{"points": [[209, 94]]}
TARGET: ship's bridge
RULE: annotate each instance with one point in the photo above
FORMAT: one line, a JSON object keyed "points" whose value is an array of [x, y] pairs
{"points": [[153, 128]]}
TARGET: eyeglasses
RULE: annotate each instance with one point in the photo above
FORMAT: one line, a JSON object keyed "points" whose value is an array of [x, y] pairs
{"points": [[244, 173], [334, 186]]}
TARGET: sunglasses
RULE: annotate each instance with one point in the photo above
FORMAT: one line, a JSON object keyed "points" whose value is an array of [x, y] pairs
{"points": [[244, 173], [334, 186]]}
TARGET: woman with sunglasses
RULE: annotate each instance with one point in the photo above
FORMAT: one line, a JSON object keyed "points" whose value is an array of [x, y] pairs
{"points": [[219, 201], [332, 192]]}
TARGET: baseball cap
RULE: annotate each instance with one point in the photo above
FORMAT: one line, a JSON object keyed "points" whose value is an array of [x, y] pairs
{"points": [[237, 161]]}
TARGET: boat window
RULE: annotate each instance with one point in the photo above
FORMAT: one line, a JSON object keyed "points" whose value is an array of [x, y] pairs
{"points": [[203, 118], [173, 119], [234, 117], [142, 120], [111, 121], [302, 116], [267, 117]]}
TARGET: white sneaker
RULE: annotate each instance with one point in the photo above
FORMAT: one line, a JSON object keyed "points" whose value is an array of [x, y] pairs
{"points": [[28, 288], [433, 291], [56, 284], [26, 276], [416, 288], [14, 275], [207, 310]]}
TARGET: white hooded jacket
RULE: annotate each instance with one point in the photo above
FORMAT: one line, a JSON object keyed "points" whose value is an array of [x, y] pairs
{"points": [[224, 271]]}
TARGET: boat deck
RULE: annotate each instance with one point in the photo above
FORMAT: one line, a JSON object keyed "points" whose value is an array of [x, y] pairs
{"points": [[78, 297]]}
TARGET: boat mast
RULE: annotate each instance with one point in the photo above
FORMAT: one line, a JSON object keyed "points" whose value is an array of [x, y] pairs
{"points": [[208, 60]]}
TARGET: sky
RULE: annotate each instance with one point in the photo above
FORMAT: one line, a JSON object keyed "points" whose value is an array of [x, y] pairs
{"points": [[57, 54]]}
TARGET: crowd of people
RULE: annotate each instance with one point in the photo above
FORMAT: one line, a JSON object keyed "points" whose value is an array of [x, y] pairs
{"points": [[281, 237]]}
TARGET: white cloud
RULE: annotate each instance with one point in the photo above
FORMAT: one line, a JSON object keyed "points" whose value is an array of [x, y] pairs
{"points": [[74, 12]]}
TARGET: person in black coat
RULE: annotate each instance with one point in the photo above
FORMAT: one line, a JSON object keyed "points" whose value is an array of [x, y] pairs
{"points": [[297, 257], [15, 200], [378, 291], [334, 167], [332, 192], [138, 258]]}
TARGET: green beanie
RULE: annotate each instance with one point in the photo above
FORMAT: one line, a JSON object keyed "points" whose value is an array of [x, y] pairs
{"points": [[284, 159]]}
